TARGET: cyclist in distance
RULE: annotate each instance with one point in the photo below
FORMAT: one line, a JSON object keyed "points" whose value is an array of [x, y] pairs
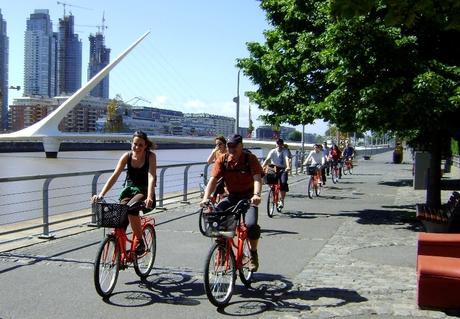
{"points": [[279, 157], [335, 155], [316, 158], [242, 173], [325, 151], [220, 149], [140, 181], [348, 152]]}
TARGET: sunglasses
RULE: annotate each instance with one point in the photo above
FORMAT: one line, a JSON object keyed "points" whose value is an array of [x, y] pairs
{"points": [[230, 145]]}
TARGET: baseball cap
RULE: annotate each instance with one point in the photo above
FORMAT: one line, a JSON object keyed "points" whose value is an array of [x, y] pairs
{"points": [[234, 139]]}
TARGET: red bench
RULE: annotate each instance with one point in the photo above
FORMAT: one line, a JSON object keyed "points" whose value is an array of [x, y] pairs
{"points": [[438, 270]]}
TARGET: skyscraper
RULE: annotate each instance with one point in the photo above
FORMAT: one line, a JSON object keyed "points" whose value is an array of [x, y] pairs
{"points": [[69, 57], [40, 47], [4, 46], [99, 57]]}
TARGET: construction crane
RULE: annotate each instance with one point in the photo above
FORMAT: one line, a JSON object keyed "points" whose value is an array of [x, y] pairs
{"points": [[100, 28], [71, 5], [136, 99]]}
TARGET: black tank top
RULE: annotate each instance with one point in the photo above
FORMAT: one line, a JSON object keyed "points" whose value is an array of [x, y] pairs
{"points": [[138, 176]]}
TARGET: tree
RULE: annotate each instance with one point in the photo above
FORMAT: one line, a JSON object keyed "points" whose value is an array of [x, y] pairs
{"points": [[114, 117], [359, 71], [295, 136]]}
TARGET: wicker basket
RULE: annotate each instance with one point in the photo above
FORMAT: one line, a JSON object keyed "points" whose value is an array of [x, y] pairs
{"points": [[220, 224], [111, 215]]}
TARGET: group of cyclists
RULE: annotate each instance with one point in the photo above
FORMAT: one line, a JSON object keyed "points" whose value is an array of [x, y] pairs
{"points": [[238, 170]]}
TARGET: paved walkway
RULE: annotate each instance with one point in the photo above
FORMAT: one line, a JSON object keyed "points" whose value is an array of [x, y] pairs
{"points": [[367, 268], [350, 253]]}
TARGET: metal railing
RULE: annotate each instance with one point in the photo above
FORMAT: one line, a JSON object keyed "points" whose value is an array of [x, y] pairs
{"points": [[176, 183], [170, 188]]}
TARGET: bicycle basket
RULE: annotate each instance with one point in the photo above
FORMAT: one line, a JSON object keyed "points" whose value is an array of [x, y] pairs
{"points": [[220, 224], [270, 177], [311, 170], [111, 215]]}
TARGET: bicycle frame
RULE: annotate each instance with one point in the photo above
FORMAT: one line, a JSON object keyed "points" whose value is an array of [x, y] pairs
{"points": [[127, 256]]}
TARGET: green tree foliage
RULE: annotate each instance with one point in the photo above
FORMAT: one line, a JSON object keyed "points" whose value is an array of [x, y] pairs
{"points": [[362, 65], [114, 115], [295, 136]]}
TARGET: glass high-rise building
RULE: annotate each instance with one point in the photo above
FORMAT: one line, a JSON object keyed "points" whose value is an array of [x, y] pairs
{"points": [[69, 61], [4, 47], [99, 57], [40, 57]]}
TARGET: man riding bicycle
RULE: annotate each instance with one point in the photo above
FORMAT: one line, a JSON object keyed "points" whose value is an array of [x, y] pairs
{"points": [[316, 158], [242, 173], [279, 157], [348, 152]]}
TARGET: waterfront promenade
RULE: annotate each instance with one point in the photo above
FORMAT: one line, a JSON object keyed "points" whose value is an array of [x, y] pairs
{"points": [[348, 254]]}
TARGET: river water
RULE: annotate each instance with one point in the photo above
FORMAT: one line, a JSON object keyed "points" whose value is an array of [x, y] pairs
{"points": [[23, 200]]}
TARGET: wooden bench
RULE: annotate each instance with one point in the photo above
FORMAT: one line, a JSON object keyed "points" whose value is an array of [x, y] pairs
{"points": [[443, 220], [438, 271]]}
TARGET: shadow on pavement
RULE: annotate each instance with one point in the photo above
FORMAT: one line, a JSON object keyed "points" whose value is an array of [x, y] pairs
{"points": [[275, 293], [163, 286], [398, 183], [404, 218], [450, 184]]}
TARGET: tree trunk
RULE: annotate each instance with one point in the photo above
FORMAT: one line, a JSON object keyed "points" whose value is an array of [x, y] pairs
{"points": [[433, 190]]}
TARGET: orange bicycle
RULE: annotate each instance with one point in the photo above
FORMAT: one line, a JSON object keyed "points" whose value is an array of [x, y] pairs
{"points": [[112, 255], [348, 166], [314, 183], [273, 181], [229, 252]]}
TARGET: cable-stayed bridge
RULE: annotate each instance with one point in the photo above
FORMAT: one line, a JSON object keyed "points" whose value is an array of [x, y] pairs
{"points": [[47, 132]]}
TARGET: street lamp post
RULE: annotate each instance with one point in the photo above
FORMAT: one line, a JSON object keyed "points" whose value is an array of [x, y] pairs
{"points": [[236, 99]]}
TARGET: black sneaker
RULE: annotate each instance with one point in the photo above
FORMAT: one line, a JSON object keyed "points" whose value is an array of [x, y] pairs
{"points": [[140, 249]]}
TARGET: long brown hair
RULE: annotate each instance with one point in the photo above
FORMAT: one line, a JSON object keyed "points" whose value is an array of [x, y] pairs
{"points": [[144, 136]]}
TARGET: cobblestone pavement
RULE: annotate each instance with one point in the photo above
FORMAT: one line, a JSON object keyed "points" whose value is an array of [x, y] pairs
{"points": [[367, 268]]}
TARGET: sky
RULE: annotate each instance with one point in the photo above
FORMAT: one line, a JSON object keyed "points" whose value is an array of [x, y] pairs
{"points": [[187, 63]]}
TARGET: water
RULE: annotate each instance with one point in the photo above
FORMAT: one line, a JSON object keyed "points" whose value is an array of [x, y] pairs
{"points": [[23, 200]]}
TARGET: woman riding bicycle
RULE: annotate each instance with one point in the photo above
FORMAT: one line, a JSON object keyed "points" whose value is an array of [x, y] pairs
{"points": [[316, 158], [140, 182], [279, 157], [335, 155]]}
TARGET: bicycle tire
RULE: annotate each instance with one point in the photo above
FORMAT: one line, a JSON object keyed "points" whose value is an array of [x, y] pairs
{"points": [[143, 264], [219, 274], [244, 272], [271, 203], [107, 266], [334, 175], [350, 170], [310, 187], [201, 223], [345, 169], [318, 189]]}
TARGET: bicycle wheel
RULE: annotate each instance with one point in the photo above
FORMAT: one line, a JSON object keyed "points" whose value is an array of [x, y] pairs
{"points": [[201, 223], [245, 273], [219, 274], [350, 169], [311, 186], [318, 189], [334, 175], [143, 264], [107, 266], [345, 169], [271, 204]]}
